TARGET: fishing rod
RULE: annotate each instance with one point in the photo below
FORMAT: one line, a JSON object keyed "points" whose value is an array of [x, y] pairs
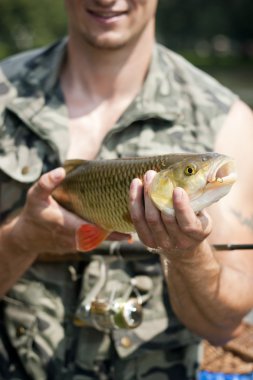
{"points": [[232, 247], [136, 250], [128, 251]]}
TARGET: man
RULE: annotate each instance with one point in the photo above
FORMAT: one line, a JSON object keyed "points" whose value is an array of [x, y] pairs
{"points": [[109, 91]]}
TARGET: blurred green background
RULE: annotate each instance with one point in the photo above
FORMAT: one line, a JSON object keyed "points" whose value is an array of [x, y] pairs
{"points": [[216, 35]]}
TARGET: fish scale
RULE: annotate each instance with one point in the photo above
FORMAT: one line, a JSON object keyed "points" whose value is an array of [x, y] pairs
{"points": [[98, 191], [108, 180]]}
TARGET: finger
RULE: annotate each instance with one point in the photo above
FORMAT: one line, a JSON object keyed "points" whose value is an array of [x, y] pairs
{"points": [[44, 187], [179, 239], [188, 221], [153, 215], [137, 213], [206, 221], [171, 225]]}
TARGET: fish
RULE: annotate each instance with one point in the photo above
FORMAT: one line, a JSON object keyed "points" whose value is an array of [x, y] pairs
{"points": [[98, 190]]}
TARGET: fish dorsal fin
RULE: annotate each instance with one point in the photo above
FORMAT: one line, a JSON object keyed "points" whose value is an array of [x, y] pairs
{"points": [[70, 165]]}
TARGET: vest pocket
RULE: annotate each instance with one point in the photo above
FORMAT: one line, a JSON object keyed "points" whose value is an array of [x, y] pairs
{"points": [[21, 163], [33, 322]]}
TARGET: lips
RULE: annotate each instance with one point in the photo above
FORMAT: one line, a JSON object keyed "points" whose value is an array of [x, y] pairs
{"points": [[106, 15]]}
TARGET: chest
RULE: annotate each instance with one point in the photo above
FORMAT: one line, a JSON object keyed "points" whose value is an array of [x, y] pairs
{"points": [[89, 126], [85, 138]]}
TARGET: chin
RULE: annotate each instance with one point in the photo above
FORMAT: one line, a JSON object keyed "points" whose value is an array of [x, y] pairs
{"points": [[109, 42], [107, 45]]}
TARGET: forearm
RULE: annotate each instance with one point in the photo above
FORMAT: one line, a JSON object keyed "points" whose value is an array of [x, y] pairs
{"points": [[208, 298], [15, 258]]}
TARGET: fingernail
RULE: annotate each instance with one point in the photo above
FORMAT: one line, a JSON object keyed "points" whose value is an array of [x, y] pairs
{"points": [[178, 194], [57, 174], [134, 188], [149, 176]]}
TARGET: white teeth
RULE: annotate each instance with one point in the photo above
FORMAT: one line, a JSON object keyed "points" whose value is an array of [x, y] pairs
{"points": [[219, 180], [102, 15], [107, 15]]}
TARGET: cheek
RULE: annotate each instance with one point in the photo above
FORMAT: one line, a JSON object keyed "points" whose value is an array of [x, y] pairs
{"points": [[152, 3], [71, 6], [146, 7]]}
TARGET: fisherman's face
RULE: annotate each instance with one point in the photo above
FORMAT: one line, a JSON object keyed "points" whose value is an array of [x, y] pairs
{"points": [[110, 24]]}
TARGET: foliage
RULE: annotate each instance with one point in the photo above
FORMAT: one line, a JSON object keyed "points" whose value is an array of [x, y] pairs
{"points": [[181, 23], [27, 23], [215, 34], [197, 18]]}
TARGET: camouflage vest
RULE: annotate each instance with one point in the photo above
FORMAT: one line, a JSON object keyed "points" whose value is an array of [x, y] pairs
{"points": [[179, 109]]}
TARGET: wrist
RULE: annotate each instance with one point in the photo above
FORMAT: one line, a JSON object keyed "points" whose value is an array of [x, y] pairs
{"points": [[15, 256], [191, 258], [15, 237]]}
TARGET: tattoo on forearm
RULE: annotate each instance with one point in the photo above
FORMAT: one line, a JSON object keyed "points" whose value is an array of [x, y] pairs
{"points": [[246, 221]]}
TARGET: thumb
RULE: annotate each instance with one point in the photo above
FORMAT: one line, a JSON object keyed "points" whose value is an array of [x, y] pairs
{"points": [[44, 187]]}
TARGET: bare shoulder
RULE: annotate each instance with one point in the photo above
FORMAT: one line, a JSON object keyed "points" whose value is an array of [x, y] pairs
{"points": [[233, 215], [237, 129], [236, 140]]}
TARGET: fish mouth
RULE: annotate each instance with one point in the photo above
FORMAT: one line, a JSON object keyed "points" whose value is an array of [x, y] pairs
{"points": [[223, 173]]}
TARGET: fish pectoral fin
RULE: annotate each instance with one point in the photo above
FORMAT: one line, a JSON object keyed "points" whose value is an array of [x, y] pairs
{"points": [[89, 236]]}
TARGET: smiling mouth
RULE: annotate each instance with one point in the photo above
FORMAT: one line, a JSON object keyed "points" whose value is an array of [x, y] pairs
{"points": [[106, 15]]}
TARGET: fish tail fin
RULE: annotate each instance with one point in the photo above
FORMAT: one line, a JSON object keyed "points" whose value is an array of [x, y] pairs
{"points": [[89, 236]]}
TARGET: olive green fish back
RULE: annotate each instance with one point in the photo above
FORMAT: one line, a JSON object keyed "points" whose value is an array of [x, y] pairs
{"points": [[98, 191]]}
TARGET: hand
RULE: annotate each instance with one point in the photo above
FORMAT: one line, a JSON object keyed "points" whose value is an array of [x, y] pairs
{"points": [[45, 226], [183, 232]]}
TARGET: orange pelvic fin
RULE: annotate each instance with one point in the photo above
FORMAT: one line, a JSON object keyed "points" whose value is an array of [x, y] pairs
{"points": [[130, 240], [89, 236]]}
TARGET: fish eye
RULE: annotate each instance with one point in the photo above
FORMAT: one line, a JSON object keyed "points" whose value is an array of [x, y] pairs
{"points": [[190, 170]]}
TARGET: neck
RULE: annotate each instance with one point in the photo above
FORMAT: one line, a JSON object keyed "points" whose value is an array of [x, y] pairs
{"points": [[100, 73]]}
